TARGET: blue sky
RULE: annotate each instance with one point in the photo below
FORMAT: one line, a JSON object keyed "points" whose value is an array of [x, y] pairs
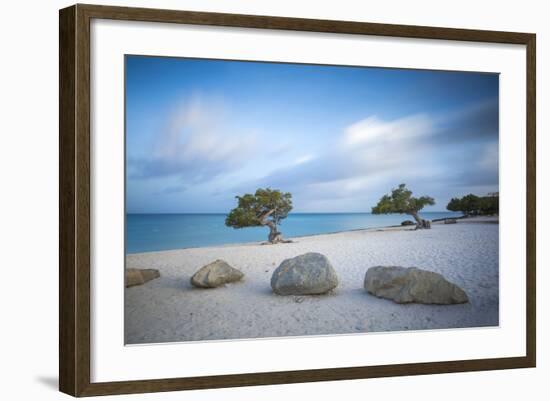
{"points": [[200, 132]]}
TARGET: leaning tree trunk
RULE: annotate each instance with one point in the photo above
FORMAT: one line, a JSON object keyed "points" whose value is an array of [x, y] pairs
{"points": [[274, 235], [421, 223]]}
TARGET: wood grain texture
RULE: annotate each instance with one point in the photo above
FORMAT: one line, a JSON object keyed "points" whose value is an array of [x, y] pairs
{"points": [[301, 24], [531, 229], [301, 376], [67, 131], [82, 201], [74, 199]]}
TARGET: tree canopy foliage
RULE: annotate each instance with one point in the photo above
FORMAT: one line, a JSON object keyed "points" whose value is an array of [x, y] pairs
{"points": [[266, 207], [473, 205], [401, 201]]}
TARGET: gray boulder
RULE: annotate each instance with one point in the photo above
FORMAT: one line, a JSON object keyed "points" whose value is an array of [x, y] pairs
{"points": [[408, 223], [404, 285], [215, 274], [450, 221], [140, 276], [307, 274]]}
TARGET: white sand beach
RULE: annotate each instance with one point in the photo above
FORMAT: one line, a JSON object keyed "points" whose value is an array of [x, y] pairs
{"points": [[169, 309]]}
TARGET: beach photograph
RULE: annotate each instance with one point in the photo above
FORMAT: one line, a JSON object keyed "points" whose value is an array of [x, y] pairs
{"points": [[276, 200]]}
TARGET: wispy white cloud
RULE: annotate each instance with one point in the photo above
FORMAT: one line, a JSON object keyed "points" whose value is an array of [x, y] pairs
{"points": [[489, 158], [365, 149], [304, 159], [372, 155], [373, 130], [364, 160], [197, 144]]}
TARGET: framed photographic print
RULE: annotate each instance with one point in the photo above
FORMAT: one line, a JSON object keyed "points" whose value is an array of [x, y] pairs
{"points": [[250, 200]]}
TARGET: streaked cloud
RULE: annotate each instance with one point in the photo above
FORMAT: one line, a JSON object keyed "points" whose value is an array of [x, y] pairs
{"points": [[202, 131], [195, 145], [304, 159], [374, 131], [373, 155]]}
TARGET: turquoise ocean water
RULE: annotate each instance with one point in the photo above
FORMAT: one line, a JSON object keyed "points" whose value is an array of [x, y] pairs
{"points": [[159, 232]]}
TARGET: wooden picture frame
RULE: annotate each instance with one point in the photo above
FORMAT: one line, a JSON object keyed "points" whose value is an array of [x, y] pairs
{"points": [[74, 200]]}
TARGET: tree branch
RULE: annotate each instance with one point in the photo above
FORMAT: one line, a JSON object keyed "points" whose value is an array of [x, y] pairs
{"points": [[263, 218]]}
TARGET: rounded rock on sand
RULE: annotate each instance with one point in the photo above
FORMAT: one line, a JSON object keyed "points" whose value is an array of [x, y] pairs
{"points": [[216, 274], [406, 285], [135, 277], [307, 274]]}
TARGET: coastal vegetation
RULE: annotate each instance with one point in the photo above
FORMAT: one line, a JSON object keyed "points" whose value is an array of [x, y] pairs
{"points": [[401, 201], [267, 207], [472, 205]]}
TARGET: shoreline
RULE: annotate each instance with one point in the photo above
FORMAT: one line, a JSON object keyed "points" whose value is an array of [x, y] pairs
{"points": [[461, 219], [170, 309]]}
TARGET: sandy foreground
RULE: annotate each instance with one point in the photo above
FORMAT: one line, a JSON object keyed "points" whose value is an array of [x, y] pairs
{"points": [[169, 309]]}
